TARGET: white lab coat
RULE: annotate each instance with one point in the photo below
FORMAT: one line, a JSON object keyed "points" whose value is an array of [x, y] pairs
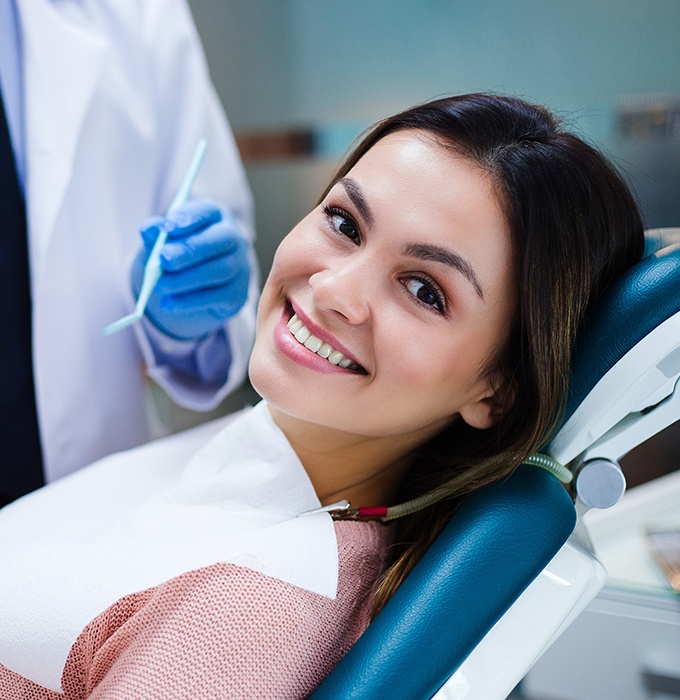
{"points": [[117, 95]]}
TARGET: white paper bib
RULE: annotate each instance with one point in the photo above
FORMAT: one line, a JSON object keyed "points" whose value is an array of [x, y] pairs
{"points": [[138, 518]]}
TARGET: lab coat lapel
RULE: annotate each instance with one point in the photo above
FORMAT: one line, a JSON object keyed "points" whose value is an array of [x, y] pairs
{"points": [[59, 57]]}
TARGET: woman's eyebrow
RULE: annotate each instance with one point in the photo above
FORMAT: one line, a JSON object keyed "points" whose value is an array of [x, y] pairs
{"points": [[437, 254], [417, 250], [356, 195]]}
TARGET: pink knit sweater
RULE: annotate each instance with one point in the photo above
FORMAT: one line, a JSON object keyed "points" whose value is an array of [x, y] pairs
{"points": [[223, 631]]}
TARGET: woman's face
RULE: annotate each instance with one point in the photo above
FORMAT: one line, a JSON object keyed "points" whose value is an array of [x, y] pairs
{"points": [[404, 274]]}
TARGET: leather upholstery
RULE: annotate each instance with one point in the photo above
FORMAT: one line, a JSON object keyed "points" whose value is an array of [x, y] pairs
{"points": [[631, 307], [500, 540]]}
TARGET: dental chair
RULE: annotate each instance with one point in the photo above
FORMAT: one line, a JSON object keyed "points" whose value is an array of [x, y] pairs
{"points": [[515, 565]]}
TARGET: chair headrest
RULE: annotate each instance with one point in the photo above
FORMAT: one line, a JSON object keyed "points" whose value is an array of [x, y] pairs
{"points": [[633, 306], [658, 238]]}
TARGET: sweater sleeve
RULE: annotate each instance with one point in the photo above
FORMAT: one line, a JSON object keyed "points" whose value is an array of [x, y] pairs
{"points": [[16, 687], [228, 631]]}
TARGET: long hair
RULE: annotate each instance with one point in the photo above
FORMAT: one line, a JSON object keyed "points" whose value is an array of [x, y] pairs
{"points": [[575, 226]]}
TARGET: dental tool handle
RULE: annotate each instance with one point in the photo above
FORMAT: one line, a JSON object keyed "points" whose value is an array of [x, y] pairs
{"points": [[188, 182], [152, 273], [152, 269]]}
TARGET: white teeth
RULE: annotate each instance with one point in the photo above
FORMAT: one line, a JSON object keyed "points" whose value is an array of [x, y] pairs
{"points": [[325, 350], [295, 327], [302, 335], [311, 342], [335, 357]]}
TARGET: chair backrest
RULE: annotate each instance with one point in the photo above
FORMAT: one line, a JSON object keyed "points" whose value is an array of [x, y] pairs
{"points": [[505, 534], [501, 538]]}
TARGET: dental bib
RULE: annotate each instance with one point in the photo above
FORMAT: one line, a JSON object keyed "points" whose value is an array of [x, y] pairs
{"points": [[136, 519]]}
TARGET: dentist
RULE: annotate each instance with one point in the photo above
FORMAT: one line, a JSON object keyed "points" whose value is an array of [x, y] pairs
{"points": [[103, 104]]}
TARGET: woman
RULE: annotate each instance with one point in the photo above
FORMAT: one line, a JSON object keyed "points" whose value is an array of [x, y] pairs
{"points": [[414, 338]]}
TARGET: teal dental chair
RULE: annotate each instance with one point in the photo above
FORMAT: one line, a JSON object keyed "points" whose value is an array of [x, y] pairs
{"points": [[515, 566]]}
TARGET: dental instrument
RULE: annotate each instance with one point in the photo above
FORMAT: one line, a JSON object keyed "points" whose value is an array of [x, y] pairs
{"points": [[152, 269]]}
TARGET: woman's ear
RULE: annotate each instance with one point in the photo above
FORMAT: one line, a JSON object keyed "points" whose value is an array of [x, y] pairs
{"points": [[495, 401]]}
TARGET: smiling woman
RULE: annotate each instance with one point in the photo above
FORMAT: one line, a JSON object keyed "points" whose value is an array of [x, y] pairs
{"points": [[414, 336], [389, 271]]}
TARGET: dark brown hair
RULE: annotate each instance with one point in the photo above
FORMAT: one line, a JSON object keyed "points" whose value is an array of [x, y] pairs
{"points": [[575, 226]]}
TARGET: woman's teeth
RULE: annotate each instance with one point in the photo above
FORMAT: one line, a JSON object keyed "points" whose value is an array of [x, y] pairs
{"points": [[311, 342]]}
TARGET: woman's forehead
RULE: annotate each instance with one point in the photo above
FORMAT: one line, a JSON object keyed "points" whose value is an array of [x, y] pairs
{"points": [[425, 195], [414, 169]]}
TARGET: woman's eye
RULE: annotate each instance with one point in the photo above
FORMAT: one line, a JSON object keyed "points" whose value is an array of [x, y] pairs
{"points": [[342, 223], [426, 293]]}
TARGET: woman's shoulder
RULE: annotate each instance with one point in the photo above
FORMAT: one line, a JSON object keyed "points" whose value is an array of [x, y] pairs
{"points": [[363, 539], [231, 627]]}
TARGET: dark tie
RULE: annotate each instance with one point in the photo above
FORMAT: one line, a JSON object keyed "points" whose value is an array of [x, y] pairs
{"points": [[20, 454]]}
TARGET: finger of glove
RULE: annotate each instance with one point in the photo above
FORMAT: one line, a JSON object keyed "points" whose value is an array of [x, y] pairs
{"points": [[149, 231], [219, 239], [197, 314], [211, 273], [220, 302], [192, 216]]}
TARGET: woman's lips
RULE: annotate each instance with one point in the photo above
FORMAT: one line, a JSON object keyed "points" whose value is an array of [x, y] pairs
{"points": [[306, 343]]}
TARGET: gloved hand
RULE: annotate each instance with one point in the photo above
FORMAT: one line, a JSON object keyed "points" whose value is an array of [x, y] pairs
{"points": [[205, 267]]}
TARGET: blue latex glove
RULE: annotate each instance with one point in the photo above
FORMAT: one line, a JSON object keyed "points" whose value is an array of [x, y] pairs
{"points": [[205, 266]]}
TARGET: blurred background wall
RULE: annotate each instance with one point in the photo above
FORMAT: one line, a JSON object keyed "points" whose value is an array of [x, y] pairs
{"points": [[612, 69]]}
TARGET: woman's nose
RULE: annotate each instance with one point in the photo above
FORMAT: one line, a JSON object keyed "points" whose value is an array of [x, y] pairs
{"points": [[344, 289]]}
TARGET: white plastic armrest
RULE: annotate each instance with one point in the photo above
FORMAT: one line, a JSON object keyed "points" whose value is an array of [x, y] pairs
{"points": [[536, 619]]}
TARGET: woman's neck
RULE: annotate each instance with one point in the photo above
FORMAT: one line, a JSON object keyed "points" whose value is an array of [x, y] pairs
{"points": [[364, 470]]}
